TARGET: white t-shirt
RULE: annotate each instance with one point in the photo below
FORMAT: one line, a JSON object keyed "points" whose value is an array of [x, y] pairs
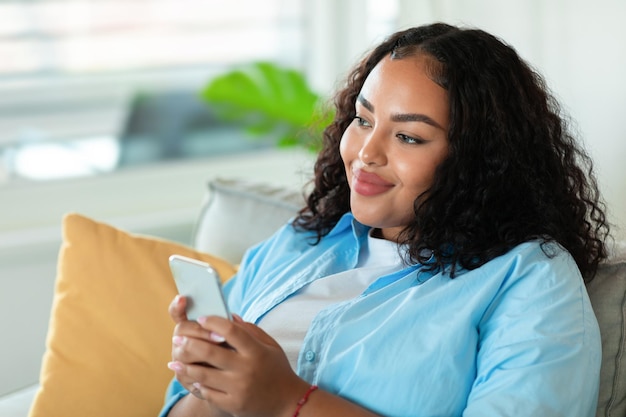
{"points": [[289, 321]]}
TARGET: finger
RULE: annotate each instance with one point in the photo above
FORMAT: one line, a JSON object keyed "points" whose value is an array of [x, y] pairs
{"points": [[198, 380], [180, 371], [183, 333], [198, 351], [196, 390], [177, 308], [191, 328], [207, 379], [183, 351], [238, 336], [255, 331], [191, 343]]}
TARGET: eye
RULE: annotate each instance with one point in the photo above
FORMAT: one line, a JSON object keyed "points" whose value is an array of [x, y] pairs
{"points": [[410, 140], [361, 122]]}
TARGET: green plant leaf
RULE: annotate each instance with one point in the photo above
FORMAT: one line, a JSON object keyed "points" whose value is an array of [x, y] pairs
{"points": [[266, 98]]}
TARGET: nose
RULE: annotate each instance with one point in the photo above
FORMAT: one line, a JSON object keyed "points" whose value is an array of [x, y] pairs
{"points": [[372, 150]]}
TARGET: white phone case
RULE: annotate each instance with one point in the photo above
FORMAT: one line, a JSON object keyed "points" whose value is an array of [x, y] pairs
{"points": [[201, 285]]}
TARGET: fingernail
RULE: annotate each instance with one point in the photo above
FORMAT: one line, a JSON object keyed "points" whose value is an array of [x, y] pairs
{"points": [[175, 366], [201, 319], [197, 385], [179, 340], [237, 318], [217, 338]]}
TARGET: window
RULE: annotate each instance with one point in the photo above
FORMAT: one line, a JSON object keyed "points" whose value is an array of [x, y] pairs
{"points": [[97, 36], [84, 84], [75, 72]]}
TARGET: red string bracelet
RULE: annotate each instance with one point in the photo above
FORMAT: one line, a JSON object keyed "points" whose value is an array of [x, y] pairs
{"points": [[304, 399]]}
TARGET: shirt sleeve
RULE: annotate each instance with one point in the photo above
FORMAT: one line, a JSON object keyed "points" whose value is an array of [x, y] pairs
{"points": [[539, 350], [174, 393]]}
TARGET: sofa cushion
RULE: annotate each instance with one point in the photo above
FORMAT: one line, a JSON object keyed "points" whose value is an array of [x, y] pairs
{"points": [[608, 296], [109, 338], [237, 214]]}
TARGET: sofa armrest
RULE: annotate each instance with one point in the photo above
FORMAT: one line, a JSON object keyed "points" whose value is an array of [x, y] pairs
{"points": [[17, 404]]}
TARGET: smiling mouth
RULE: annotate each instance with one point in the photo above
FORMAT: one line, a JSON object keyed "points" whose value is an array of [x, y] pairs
{"points": [[369, 184]]}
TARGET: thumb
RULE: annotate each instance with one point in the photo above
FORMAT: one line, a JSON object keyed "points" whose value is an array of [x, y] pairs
{"points": [[177, 309]]}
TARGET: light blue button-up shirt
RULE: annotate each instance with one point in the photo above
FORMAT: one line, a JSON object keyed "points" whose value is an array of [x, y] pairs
{"points": [[515, 337]]}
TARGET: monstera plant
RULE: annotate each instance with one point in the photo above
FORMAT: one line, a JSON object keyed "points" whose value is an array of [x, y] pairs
{"points": [[270, 100]]}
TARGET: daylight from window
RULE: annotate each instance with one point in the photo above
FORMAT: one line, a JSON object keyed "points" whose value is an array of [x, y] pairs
{"points": [[89, 86], [70, 69]]}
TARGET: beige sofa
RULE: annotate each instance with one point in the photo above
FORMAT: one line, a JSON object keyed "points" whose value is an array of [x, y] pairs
{"points": [[92, 368]]}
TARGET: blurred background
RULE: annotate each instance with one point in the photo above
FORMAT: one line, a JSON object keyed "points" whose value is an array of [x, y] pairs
{"points": [[102, 112]]}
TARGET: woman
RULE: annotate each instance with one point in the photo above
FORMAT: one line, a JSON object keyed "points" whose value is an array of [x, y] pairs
{"points": [[437, 269]]}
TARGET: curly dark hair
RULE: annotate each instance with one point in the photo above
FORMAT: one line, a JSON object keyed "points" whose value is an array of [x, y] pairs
{"points": [[514, 171]]}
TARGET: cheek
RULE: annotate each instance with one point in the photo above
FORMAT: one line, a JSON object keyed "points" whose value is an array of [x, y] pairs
{"points": [[418, 173], [345, 147]]}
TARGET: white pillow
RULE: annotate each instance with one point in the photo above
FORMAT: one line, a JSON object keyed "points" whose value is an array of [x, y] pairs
{"points": [[237, 214]]}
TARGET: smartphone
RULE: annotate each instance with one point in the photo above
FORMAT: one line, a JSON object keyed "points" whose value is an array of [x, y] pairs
{"points": [[201, 286]]}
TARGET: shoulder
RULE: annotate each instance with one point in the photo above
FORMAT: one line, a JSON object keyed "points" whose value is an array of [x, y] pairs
{"points": [[540, 327], [537, 279], [532, 278], [535, 261]]}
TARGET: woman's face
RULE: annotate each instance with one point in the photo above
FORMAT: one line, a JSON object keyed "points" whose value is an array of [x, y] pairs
{"points": [[394, 144]]}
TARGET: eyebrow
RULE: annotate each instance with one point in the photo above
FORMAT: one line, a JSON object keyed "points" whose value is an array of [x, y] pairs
{"points": [[401, 117]]}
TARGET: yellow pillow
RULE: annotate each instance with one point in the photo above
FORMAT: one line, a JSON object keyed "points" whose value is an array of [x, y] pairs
{"points": [[109, 338]]}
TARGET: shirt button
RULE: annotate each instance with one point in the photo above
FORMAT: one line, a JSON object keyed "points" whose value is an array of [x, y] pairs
{"points": [[309, 356]]}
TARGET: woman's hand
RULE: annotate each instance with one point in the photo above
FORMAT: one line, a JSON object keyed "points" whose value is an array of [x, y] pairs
{"points": [[234, 365], [184, 329]]}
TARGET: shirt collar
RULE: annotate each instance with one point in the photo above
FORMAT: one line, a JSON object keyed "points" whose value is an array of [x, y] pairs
{"points": [[360, 232], [346, 221]]}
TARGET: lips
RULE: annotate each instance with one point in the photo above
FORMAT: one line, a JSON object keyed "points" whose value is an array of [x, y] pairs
{"points": [[369, 184]]}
